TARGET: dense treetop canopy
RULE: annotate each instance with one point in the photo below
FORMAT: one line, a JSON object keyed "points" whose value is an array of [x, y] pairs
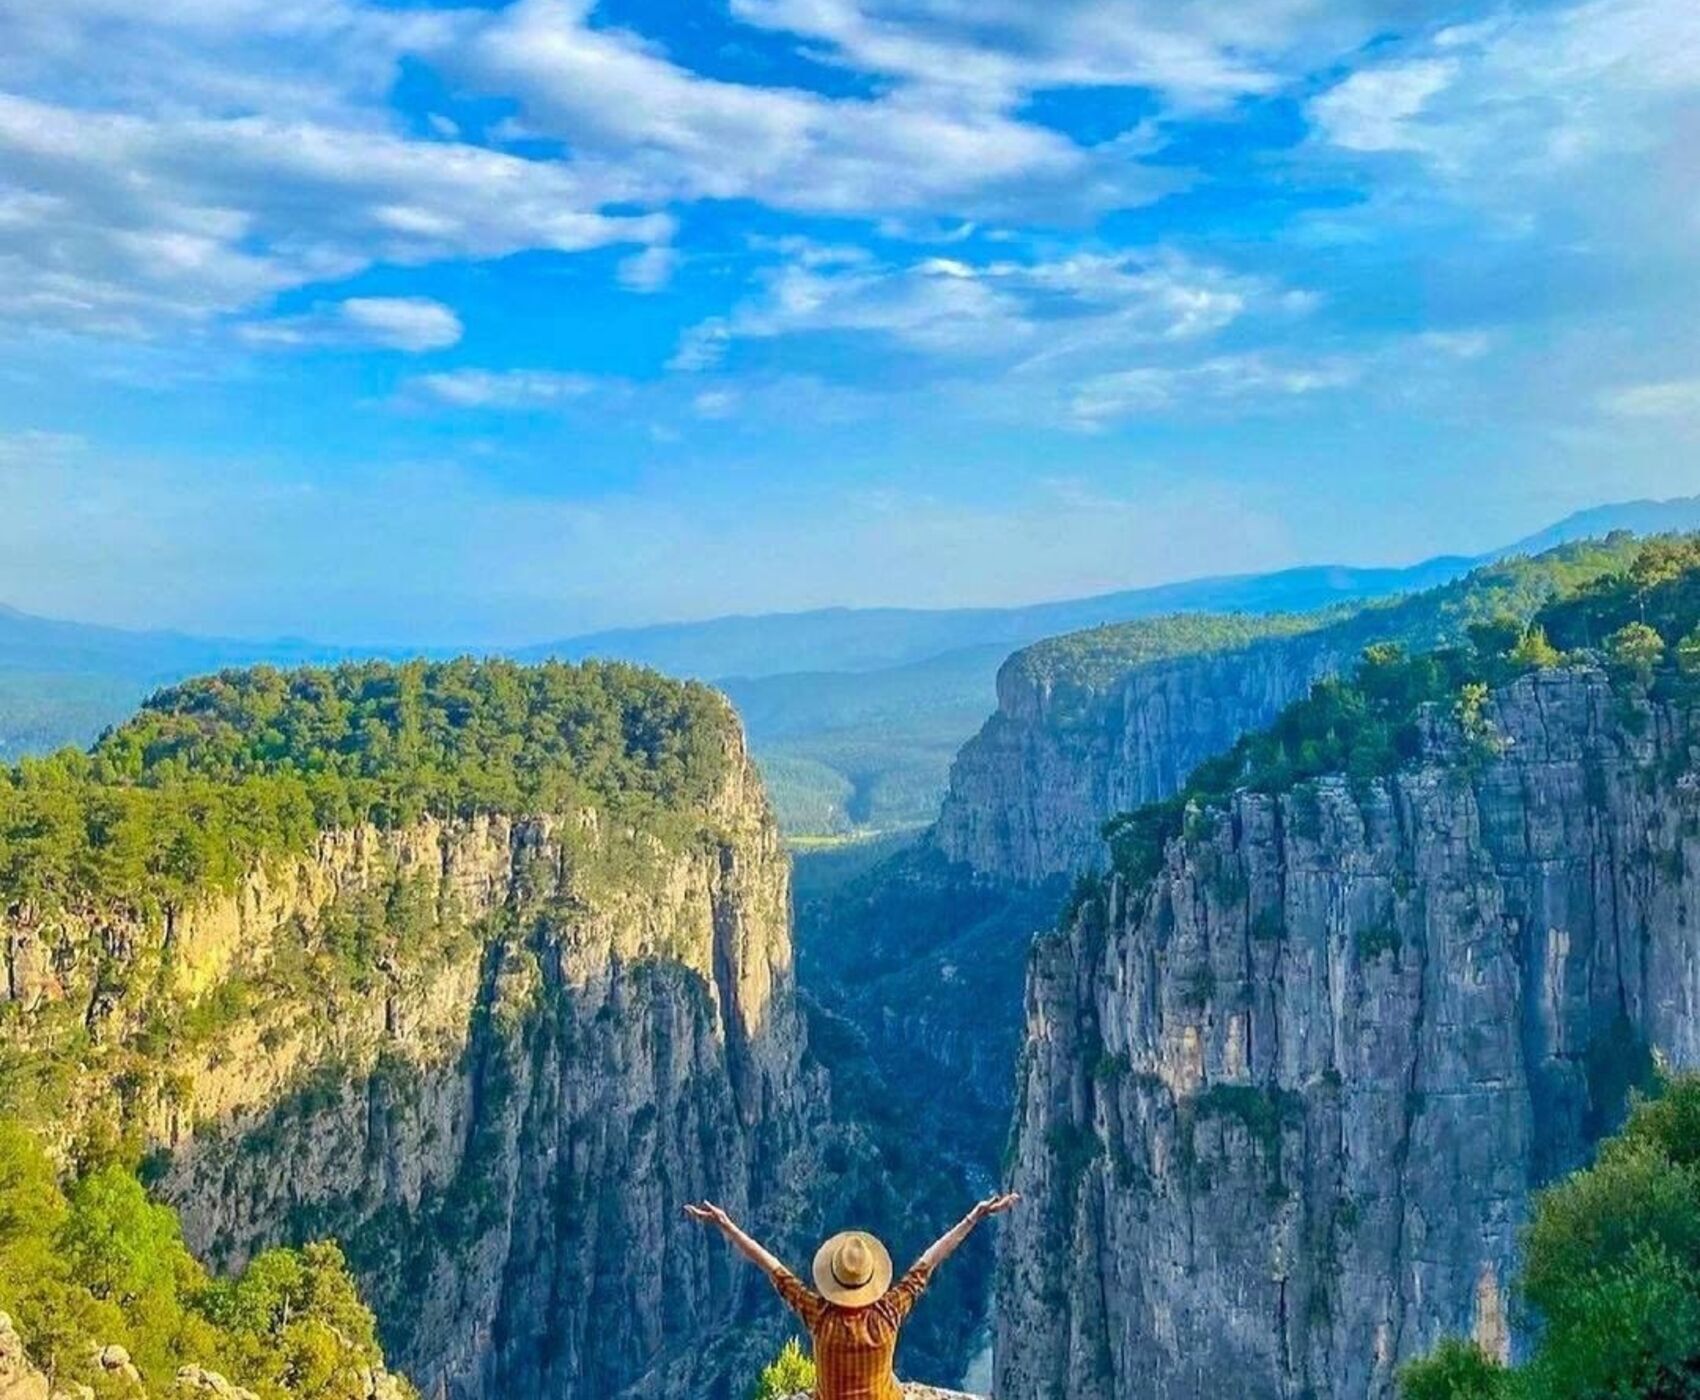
{"points": [[214, 773]]}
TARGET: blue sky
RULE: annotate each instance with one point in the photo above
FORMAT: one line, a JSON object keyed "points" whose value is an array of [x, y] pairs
{"points": [[393, 320]]}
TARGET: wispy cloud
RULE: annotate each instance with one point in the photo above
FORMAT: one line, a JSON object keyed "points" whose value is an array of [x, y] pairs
{"points": [[1041, 310], [38, 446], [1110, 398], [681, 135], [1522, 107], [1664, 400], [111, 222], [517, 389], [998, 50], [413, 324]]}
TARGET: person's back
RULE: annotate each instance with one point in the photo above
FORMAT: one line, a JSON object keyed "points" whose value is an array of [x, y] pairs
{"points": [[854, 1346], [855, 1317]]}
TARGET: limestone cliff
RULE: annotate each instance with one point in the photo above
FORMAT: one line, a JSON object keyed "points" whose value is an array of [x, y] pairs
{"points": [[1282, 1108], [560, 1026], [1101, 722], [1028, 795]]}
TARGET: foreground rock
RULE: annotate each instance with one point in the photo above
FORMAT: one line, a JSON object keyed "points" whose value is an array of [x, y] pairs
{"points": [[910, 1392], [1283, 1108]]}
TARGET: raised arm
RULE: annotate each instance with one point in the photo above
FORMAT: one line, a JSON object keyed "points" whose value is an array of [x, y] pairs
{"points": [[946, 1244], [711, 1214]]}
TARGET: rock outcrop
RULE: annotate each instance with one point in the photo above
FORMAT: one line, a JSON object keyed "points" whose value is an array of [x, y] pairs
{"points": [[1282, 1108], [1102, 722], [21, 1379], [569, 1027], [1029, 794]]}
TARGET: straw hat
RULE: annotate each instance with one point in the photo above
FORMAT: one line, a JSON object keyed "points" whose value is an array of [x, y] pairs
{"points": [[852, 1269]]}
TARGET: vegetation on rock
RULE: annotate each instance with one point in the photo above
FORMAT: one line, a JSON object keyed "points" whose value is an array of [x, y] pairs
{"points": [[1611, 1272], [789, 1373], [1368, 724], [1513, 589], [95, 1264]]}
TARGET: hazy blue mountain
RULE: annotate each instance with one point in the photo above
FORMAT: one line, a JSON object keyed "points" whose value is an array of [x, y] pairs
{"points": [[866, 639], [1638, 517]]}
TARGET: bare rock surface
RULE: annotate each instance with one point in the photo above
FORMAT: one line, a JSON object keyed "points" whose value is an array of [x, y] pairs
{"points": [[1029, 794], [1283, 1107], [912, 1392]]}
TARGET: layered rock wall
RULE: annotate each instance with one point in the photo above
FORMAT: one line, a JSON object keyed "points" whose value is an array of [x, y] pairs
{"points": [[1029, 794], [1283, 1108]]}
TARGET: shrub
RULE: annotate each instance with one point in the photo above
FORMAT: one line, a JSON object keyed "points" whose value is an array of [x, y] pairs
{"points": [[789, 1373], [97, 1262], [1456, 1371]]}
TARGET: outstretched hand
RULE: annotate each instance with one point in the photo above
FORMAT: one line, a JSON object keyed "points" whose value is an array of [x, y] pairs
{"points": [[995, 1205], [709, 1214]]}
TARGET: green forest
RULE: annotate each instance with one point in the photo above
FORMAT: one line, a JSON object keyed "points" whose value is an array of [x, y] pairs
{"points": [[216, 773], [1641, 621]]}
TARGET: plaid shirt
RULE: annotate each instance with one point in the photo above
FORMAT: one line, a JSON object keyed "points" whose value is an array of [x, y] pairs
{"points": [[854, 1346]]}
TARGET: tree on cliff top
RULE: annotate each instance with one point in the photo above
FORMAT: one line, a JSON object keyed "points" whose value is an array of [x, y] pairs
{"points": [[216, 773], [1611, 1273]]}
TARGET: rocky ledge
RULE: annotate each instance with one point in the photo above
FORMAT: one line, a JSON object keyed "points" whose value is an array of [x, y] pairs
{"points": [[911, 1392], [20, 1379]]}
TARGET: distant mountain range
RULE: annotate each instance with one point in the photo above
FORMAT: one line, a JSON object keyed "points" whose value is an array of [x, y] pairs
{"points": [[854, 712]]}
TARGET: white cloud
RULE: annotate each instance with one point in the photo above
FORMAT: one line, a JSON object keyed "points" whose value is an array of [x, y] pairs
{"points": [[998, 49], [1024, 312], [1537, 97], [113, 222], [649, 271], [518, 389], [679, 135], [1110, 398], [1372, 110], [325, 60], [413, 324], [404, 323], [36, 446], [1666, 399]]}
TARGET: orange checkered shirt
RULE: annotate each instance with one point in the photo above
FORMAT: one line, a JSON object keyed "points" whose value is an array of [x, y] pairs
{"points": [[854, 1346]]}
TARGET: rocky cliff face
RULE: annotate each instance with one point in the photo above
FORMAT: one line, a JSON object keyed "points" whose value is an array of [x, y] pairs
{"points": [[558, 1030], [1029, 794], [1282, 1109]]}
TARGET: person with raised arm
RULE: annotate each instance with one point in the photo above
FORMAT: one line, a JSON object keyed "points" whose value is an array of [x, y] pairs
{"points": [[854, 1312]]}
